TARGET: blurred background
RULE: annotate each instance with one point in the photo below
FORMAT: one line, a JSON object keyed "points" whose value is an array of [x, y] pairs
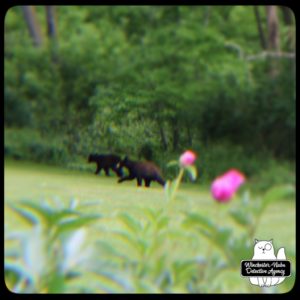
{"points": [[150, 82]]}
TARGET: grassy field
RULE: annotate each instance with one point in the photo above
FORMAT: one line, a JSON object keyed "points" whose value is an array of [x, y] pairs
{"points": [[25, 180]]}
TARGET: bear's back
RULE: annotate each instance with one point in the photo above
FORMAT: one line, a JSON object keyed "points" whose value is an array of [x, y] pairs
{"points": [[147, 169]]}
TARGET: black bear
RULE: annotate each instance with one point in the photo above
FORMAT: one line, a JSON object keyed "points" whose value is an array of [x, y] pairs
{"points": [[106, 162], [141, 170]]}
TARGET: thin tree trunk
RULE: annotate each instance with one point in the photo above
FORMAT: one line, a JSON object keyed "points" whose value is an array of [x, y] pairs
{"points": [[287, 15], [273, 37], [262, 38], [175, 134], [273, 28], [163, 138], [189, 135], [289, 20], [207, 9], [32, 24], [51, 25], [52, 32]]}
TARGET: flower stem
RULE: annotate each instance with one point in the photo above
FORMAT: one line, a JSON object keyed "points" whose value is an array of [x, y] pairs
{"points": [[177, 182]]}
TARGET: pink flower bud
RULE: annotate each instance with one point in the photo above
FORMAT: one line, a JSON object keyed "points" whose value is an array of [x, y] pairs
{"points": [[224, 187], [187, 158]]}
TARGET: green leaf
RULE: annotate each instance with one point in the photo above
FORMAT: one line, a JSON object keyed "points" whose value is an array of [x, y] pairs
{"points": [[110, 250], [28, 216], [206, 233], [183, 271], [157, 243], [222, 236], [137, 243], [143, 245], [192, 171], [151, 214], [60, 216], [246, 198], [56, 282], [172, 163], [162, 222], [88, 203], [239, 249], [240, 217], [45, 214], [110, 283], [144, 286], [128, 239], [75, 223], [131, 223], [197, 220], [17, 269]]}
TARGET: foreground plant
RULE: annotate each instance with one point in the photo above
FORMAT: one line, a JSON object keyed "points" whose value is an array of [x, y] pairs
{"points": [[51, 251]]}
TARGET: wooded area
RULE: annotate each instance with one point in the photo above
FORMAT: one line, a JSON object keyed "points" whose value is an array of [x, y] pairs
{"points": [[150, 81]]}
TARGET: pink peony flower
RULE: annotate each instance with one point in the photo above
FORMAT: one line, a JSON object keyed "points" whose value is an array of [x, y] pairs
{"points": [[187, 158], [224, 187]]}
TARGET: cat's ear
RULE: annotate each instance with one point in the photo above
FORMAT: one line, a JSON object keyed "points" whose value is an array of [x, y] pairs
{"points": [[271, 241], [256, 241]]}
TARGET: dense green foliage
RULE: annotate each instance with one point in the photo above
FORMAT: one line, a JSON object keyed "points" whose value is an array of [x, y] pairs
{"points": [[130, 78]]}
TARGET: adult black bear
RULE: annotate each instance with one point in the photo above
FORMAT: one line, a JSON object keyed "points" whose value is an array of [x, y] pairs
{"points": [[106, 162], [141, 170]]}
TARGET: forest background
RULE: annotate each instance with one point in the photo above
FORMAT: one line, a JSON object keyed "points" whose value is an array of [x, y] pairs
{"points": [[150, 82]]}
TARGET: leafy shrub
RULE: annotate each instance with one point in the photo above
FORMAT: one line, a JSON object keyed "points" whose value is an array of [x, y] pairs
{"points": [[274, 173], [27, 144], [47, 153], [17, 112], [216, 158]]}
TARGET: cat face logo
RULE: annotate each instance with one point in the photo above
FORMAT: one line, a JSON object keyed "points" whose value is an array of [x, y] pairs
{"points": [[264, 246], [266, 269], [264, 250]]}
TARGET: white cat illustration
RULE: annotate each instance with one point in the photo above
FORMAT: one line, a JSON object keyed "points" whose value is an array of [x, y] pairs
{"points": [[264, 250]]}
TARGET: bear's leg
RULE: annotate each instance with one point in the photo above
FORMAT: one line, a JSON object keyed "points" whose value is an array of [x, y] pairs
{"points": [[118, 171], [129, 177], [106, 169], [98, 169], [139, 181], [147, 182], [160, 181]]}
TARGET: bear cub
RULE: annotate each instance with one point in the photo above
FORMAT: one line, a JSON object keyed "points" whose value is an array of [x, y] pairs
{"points": [[106, 162]]}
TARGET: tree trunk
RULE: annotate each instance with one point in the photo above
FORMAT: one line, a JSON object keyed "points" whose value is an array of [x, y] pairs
{"points": [[289, 20], [273, 37], [175, 130], [52, 32], [189, 135], [273, 28], [51, 25], [287, 15], [207, 9], [163, 139], [262, 38], [32, 24]]}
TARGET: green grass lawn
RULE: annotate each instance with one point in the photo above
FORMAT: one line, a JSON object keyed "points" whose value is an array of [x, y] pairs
{"points": [[25, 180]]}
